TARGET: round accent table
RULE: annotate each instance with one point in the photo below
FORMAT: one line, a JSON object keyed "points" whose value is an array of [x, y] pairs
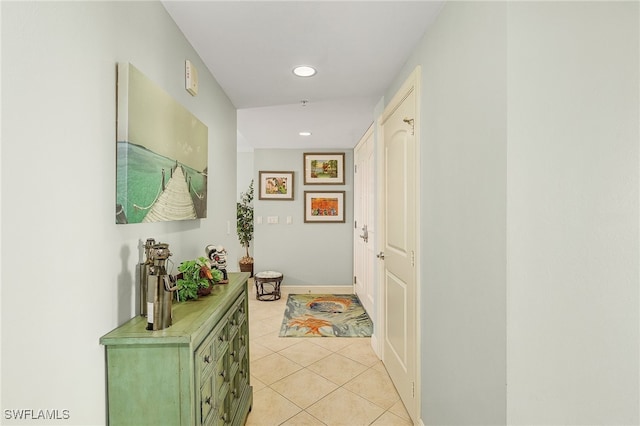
{"points": [[268, 285]]}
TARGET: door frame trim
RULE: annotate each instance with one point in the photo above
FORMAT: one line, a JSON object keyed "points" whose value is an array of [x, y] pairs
{"points": [[411, 84]]}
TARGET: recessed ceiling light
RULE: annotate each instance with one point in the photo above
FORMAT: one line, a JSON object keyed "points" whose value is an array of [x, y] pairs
{"points": [[304, 71], [305, 133]]}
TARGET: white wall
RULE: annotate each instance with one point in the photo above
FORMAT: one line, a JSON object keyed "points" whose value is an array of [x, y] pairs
{"points": [[530, 129], [306, 253], [68, 272], [573, 213], [245, 171]]}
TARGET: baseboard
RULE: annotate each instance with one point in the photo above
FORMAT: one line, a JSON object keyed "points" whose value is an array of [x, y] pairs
{"points": [[374, 346], [317, 289]]}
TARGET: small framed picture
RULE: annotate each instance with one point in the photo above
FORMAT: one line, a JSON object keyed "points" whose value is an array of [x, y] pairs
{"points": [[324, 206], [324, 168], [276, 186]]}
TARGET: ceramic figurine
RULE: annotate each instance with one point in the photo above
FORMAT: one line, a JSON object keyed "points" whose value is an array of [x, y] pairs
{"points": [[217, 256]]}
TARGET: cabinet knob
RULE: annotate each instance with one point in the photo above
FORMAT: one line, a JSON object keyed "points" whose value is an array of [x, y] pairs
{"points": [[208, 400], [223, 374], [207, 359]]}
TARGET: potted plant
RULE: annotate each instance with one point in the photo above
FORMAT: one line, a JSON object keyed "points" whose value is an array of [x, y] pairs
{"points": [[245, 227], [196, 278]]}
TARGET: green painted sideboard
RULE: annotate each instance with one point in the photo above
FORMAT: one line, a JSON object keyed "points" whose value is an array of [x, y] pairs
{"points": [[195, 372]]}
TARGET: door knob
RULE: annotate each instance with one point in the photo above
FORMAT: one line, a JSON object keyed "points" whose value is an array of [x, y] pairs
{"points": [[380, 255]]}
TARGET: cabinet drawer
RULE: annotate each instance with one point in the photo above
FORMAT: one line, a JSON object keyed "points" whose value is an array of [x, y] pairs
{"points": [[241, 311], [205, 358], [220, 339], [235, 394], [221, 376], [222, 416], [206, 399]]}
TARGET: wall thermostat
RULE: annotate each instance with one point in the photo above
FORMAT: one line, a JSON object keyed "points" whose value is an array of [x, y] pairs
{"points": [[190, 78]]}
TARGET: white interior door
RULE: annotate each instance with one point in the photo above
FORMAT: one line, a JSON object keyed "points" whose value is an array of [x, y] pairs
{"points": [[364, 231], [399, 243]]}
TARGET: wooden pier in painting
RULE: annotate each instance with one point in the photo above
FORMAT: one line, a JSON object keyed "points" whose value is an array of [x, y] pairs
{"points": [[174, 203]]}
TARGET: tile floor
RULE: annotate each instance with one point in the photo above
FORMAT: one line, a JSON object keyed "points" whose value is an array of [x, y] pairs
{"points": [[316, 380]]}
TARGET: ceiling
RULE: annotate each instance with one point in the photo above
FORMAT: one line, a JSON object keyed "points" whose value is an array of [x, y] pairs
{"points": [[251, 47]]}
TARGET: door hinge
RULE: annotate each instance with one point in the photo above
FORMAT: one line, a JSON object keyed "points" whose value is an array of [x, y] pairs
{"points": [[410, 122], [355, 168], [355, 281], [413, 258], [413, 389]]}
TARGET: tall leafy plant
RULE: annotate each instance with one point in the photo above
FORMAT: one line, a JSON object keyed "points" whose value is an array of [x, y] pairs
{"points": [[245, 221]]}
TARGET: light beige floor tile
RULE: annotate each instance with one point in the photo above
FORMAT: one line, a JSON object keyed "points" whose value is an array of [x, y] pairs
{"points": [[374, 386], [275, 343], [258, 310], [304, 387], [257, 384], [389, 419], [274, 322], [361, 351], [258, 328], [334, 344], [337, 368], [342, 407], [257, 351], [273, 368], [305, 353], [399, 410], [380, 367], [303, 419], [270, 408]]}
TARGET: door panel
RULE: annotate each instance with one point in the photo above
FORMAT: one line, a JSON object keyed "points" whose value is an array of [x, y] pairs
{"points": [[364, 214], [397, 321], [399, 243]]}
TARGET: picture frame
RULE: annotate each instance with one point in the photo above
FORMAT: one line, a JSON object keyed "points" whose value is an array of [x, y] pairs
{"points": [[323, 168], [324, 207], [276, 186]]}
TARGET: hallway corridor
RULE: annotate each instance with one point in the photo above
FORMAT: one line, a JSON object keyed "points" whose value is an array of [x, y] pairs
{"points": [[317, 380]]}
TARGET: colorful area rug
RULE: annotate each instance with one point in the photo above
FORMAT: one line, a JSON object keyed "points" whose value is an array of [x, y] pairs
{"points": [[325, 315]]}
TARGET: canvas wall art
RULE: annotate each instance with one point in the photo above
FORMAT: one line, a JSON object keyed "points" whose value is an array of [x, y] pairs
{"points": [[162, 154]]}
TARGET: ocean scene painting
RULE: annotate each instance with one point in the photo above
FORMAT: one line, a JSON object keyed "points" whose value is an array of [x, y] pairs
{"points": [[162, 154]]}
